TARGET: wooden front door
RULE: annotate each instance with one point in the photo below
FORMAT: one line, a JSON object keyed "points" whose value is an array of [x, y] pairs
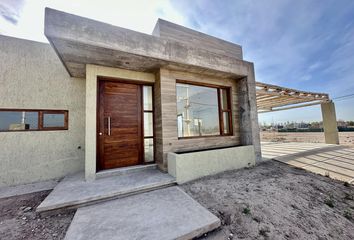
{"points": [[119, 125]]}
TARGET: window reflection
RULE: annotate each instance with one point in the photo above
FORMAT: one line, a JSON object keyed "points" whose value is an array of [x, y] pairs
{"points": [[53, 120], [149, 149], [147, 93], [18, 120], [148, 124], [197, 111]]}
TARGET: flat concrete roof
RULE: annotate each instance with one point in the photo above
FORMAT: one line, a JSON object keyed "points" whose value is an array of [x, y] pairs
{"points": [[79, 41]]}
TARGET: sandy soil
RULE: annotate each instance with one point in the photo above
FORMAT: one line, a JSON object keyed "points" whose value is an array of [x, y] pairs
{"points": [[276, 201], [18, 219], [345, 138]]}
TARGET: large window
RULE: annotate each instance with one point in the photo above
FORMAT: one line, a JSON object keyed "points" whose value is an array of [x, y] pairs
{"points": [[33, 120], [148, 124], [203, 110]]}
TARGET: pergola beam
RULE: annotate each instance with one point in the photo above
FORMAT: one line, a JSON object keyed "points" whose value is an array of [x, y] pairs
{"points": [[270, 97]]}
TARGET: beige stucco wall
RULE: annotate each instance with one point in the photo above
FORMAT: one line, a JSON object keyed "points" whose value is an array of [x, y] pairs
{"points": [[92, 74], [189, 166], [32, 76]]}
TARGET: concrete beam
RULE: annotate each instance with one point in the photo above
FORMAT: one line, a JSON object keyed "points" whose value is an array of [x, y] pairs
{"points": [[79, 41], [330, 123]]}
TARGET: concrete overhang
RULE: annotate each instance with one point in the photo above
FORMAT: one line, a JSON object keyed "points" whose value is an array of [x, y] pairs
{"points": [[79, 41]]}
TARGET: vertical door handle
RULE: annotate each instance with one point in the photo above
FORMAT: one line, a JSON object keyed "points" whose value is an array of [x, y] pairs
{"points": [[109, 126]]}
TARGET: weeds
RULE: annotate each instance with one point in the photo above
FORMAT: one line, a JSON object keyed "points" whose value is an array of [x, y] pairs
{"points": [[348, 215], [264, 232], [348, 196], [246, 211], [329, 202]]}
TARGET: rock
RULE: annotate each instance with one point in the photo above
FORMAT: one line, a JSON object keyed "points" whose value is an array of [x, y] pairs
{"points": [[227, 219], [27, 209]]}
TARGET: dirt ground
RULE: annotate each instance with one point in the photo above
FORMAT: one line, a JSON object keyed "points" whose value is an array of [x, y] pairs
{"points": [[270, 201], [18, 219], [345, 138], [276, 201]]}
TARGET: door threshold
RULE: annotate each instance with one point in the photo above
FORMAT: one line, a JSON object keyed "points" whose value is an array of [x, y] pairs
{"points": [[124, 170]]}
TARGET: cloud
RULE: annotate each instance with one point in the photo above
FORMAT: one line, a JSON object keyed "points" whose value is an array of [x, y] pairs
{"points": [[10, 10], [133, 14], [303, 44]]}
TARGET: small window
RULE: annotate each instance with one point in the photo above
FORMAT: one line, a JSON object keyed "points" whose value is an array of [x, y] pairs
{"points": [[32, 120], [54, 120]]}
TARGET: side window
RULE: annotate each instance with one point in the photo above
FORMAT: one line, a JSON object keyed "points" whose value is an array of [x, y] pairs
{"points": [[33, 120]]}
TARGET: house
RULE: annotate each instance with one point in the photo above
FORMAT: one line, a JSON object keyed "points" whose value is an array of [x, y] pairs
{"points": [[100, 97]]}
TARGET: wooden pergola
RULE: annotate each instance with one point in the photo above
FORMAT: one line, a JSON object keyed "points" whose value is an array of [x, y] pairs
{"points": [[275, 98]]}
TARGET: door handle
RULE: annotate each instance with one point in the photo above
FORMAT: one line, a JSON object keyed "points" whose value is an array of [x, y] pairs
{"points": [[109, 126]]}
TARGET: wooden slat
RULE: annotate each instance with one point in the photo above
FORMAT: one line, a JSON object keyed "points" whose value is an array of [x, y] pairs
{"points": [[271, 96]]}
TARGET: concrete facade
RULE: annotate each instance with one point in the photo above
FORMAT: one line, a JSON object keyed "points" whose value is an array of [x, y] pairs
{"points": [[65, 76], [32, 77], [189, 166], [330, 123]]}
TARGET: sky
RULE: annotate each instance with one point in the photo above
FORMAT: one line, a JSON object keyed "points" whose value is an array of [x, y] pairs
{"points": [[303, 44]]}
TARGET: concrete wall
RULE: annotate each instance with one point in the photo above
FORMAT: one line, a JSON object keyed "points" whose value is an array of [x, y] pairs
{"points": [[195, 39], [32, 76], [166, 119], [248, 116], [189, 166]]}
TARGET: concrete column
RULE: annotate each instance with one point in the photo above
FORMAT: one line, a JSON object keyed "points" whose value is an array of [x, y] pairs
{"points": [[249, 129], [330, 123]]}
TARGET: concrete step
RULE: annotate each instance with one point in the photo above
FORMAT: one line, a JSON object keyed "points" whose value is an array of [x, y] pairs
{"points": [[73, 191], [124, 170], [167, 213]]}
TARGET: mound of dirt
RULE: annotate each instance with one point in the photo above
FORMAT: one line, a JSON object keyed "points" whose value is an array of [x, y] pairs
{"points": [[276, 201]]}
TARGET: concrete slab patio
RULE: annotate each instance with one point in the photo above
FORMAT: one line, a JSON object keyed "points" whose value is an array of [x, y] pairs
{"points": [[73, 191], [161, 214], [330, 160]]}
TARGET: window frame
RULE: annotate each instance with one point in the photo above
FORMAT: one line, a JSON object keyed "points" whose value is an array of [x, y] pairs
{"points": [[220, 111], [40, 113]]}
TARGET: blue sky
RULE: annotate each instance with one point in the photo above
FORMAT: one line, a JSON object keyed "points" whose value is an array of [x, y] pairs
{"points": [[304, 44]]}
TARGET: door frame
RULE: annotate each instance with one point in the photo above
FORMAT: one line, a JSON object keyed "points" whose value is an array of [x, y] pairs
{"points": [[98, 97]]}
